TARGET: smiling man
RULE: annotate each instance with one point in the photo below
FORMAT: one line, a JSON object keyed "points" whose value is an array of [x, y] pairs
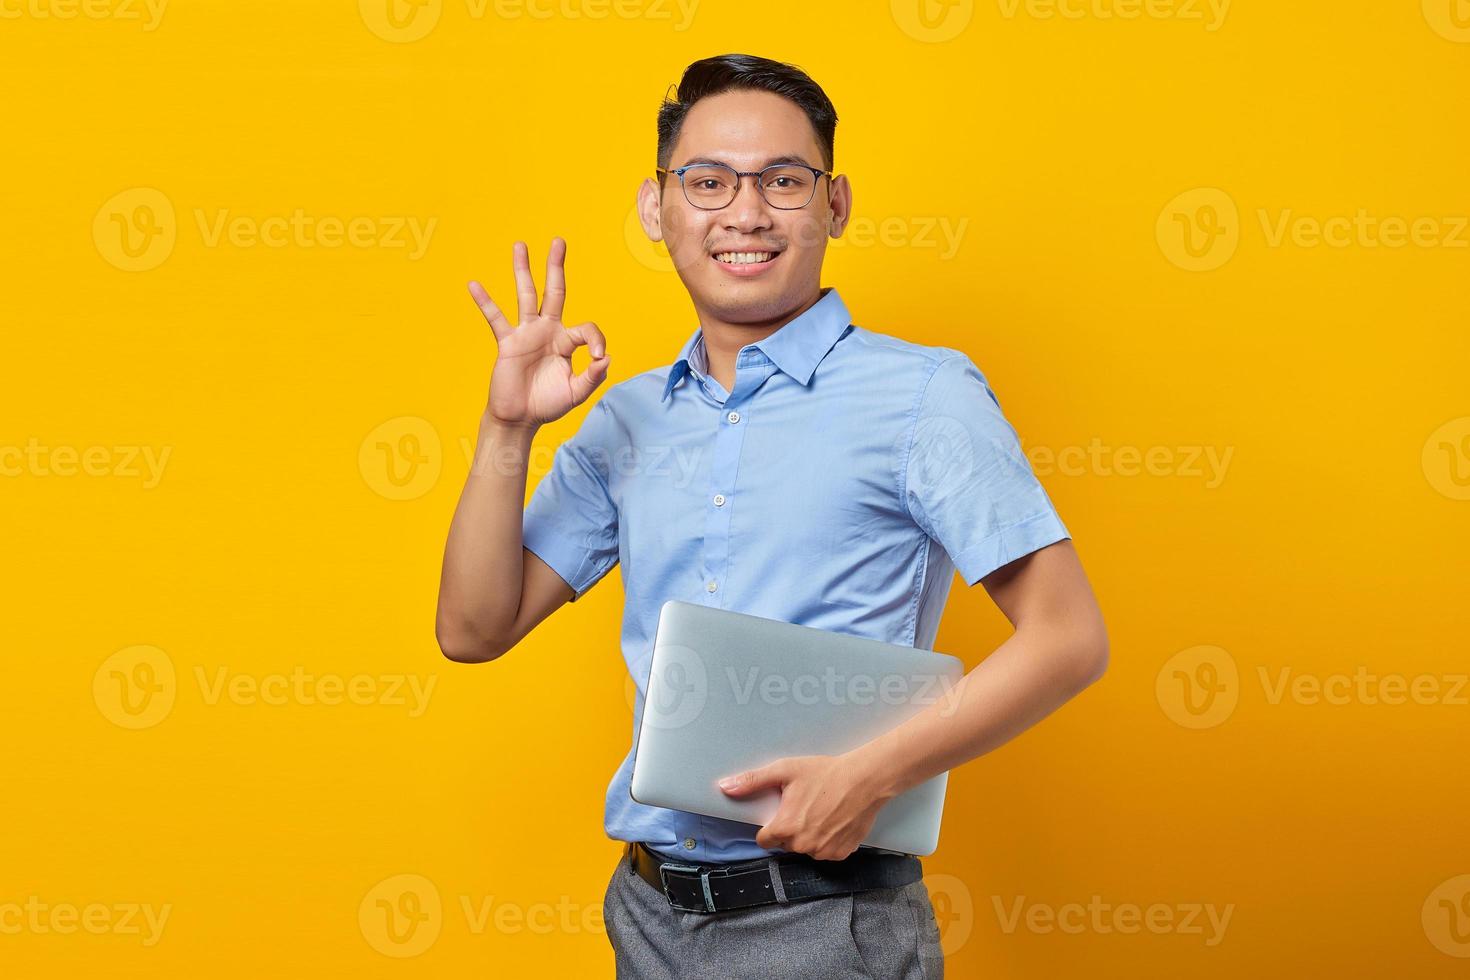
{"points": [[841, 476]]}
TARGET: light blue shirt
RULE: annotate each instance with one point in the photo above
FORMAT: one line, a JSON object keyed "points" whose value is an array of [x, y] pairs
{"points": [[840, 485]]}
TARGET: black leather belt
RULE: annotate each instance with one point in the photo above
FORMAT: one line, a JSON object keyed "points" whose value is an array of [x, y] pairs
{"points": [[788, 877]]}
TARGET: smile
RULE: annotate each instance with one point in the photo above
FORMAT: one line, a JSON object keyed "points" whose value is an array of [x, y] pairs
{"points": [[745, 263]]}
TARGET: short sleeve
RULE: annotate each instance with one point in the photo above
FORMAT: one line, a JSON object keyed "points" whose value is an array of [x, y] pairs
{"points": [[571, 522], [968, 483]]}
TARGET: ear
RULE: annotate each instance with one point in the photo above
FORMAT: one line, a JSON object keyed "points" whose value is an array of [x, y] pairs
{"points": [[841, 205], [649, 210]]}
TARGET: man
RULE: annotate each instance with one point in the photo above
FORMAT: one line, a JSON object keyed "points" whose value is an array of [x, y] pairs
{"points": [[837, 477]]}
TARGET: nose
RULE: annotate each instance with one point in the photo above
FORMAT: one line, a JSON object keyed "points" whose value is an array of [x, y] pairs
{"points": [[749, 211]]}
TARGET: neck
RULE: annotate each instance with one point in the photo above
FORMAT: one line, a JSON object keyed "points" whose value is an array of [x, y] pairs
{"points": [[723, 339]]}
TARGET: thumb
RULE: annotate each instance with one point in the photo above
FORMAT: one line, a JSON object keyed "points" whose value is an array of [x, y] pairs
{"points": [[745, 783], [585, 383]]}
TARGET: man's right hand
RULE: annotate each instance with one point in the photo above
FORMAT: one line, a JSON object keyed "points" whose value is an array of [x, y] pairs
{"points": [[532, 382]]}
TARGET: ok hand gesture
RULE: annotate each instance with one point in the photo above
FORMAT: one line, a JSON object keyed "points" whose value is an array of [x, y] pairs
{"points": [[532, 381]]}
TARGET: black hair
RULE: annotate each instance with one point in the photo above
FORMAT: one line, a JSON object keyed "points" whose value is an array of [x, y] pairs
{"points": [[729, 72]]}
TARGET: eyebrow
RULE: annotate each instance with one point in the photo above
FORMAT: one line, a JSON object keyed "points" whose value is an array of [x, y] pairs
{"points": [[773, 161]]}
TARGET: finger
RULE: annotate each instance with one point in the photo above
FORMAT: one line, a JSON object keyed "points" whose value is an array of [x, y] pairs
{"points": [[499, 325], [585, 383], [589, 334], [525, 285], [556, 280], [754, 779]]}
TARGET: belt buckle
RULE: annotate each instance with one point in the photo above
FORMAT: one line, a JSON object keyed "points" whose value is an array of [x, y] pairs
{"points": [[666, 866]]}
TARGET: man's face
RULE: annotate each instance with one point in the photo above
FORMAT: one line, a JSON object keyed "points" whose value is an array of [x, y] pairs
{"points": [[746, 130]]}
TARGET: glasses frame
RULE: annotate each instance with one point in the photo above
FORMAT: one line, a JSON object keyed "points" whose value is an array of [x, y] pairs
{"points": [[817, 174]]}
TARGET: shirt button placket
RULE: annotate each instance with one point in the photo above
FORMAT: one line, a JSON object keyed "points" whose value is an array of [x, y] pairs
{"points": [[728, 439]]}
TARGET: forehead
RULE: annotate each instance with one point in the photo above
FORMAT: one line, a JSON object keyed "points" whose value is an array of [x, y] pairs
{"points": [[746, 129]]}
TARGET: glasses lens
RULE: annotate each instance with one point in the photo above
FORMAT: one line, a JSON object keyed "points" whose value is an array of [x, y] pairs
{"points": [[787, 187], [709, 185]]}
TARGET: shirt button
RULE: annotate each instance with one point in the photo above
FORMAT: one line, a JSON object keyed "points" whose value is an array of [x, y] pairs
{"points": [[689, 843], [709, 586], [719, 500], [733, 417]]}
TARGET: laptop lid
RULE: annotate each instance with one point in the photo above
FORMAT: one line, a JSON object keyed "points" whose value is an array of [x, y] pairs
{"points": [[729, 691]]}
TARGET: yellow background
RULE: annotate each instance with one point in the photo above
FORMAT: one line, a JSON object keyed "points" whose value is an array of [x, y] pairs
{"points": [[1071, 153]]}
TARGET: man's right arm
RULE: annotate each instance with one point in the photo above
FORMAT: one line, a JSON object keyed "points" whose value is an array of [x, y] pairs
{"points": [[492, 589]]}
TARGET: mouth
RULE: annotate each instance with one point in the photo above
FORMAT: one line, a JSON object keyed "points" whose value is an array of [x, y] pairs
{"points": [[745, 264]]}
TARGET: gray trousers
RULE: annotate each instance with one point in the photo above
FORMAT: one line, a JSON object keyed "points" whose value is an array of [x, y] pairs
{"points": [[880, 933]]}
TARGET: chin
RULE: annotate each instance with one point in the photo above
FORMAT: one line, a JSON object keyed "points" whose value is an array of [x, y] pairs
{"points": [[755, 302]]}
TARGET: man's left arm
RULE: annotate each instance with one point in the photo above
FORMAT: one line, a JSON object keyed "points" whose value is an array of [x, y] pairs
{"points": [[1059, 647]]}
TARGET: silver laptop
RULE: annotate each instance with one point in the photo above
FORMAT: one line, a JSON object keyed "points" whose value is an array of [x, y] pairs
{"points": [[728, 691]]}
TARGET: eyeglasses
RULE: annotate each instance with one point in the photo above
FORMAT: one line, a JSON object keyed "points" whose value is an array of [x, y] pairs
{"points": [[785, 186]]}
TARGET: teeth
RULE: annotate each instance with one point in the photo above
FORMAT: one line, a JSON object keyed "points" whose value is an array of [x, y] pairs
{"points": [[744, 258]]}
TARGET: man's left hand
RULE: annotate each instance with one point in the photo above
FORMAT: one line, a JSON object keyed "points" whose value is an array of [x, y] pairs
{"points": [[828, 803]]}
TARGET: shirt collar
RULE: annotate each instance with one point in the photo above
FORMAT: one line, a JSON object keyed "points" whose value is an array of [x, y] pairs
{"points": [[797, 347]]}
